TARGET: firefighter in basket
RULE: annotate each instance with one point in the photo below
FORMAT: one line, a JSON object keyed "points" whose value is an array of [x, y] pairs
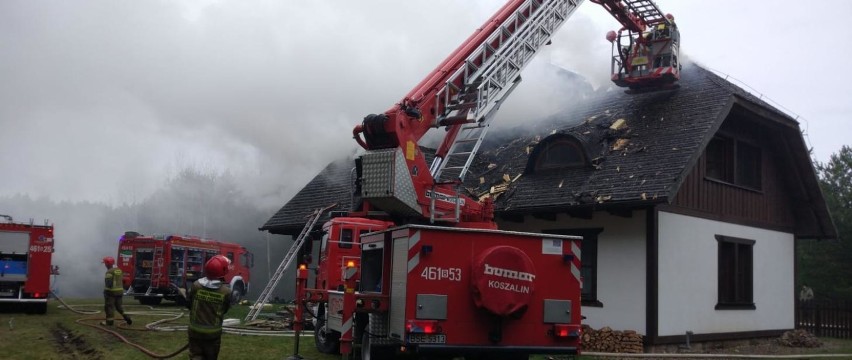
{"points": [[208, 300], [113, 292]]}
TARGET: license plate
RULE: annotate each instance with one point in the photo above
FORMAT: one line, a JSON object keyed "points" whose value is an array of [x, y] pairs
{"points": [[427, 339]]}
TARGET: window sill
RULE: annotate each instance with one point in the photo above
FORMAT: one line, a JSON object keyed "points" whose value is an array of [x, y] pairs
{"points": [[736, 306], [591, 303]]}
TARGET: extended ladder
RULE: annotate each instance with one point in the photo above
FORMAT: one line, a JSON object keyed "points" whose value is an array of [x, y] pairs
{"points": [[288, 258], [647, 10], [477, 89], [156, 269]]}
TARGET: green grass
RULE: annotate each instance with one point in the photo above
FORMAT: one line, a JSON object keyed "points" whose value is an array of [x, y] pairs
{"points": [[35, 337]]}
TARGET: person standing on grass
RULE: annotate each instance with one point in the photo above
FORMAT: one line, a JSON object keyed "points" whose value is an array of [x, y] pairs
{"points": [[113, 292], [208, 300]]}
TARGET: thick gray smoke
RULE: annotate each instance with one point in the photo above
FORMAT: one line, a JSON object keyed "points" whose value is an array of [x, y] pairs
{"points": [[103, 104]]}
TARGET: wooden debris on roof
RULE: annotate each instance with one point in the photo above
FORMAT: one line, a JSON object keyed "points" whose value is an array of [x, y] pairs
{"points": [[618, 124], [600, 199], [620, 144]]}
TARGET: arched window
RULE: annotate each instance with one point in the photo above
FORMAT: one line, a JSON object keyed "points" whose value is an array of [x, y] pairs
{"points": [[559, 153]]}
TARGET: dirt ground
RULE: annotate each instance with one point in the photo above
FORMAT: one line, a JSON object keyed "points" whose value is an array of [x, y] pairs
{"points": [[71, 345], [769, 346]]}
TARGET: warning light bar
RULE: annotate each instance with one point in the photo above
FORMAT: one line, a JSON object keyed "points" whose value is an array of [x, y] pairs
{"points": [[566, 331], [422, 326]]}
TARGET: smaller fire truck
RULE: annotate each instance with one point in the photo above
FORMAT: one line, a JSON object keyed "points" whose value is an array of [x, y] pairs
{"points": [[25, 264], [156, 266]]}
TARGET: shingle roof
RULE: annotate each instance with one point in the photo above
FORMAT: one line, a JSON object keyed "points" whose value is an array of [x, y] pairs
{"points": [[663, 133], [663, 137], [330, 186]]}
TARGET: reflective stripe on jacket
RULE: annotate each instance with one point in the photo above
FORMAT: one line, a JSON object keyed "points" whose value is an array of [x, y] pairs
{"points": [[112, 282], [207, 309]]}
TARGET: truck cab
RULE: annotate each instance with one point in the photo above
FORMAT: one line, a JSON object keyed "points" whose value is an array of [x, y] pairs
{"points": [[341, 244], [340, 248]]}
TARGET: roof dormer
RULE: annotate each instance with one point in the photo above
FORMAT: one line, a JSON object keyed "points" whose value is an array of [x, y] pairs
{"points": [[558, 151]]}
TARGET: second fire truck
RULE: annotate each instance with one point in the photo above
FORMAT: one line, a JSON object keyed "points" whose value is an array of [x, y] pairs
{"points": [[155, 267]]}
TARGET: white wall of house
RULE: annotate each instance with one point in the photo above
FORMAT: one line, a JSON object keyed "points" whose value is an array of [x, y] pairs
{"points": [[621, 266], [688, 278]]}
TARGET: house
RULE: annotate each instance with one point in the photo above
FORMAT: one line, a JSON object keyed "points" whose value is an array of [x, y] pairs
{"points": [[690, 202]]}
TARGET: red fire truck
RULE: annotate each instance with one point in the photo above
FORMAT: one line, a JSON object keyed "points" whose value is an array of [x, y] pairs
{"points": [[25, 264], [156, 266], [419, 267]]}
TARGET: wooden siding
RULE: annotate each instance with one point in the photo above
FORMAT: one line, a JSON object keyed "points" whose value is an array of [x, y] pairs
{"points": [[769, 207]]}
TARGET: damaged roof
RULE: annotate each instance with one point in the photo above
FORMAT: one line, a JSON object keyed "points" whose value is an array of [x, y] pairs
{"points": [[639, 149]]}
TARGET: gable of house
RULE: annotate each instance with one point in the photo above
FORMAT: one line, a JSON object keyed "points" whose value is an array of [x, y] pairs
{"points": [[639, 150]]}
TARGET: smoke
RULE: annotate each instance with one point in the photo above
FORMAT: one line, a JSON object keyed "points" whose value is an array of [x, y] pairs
{"points": [[104, 104], [104, 100]]}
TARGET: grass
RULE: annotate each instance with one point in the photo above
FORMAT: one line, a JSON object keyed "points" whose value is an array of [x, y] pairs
{"points": [[57, 335]]}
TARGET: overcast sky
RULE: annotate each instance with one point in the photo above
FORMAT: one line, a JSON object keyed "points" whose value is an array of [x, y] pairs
{"points": [[102, 100]]}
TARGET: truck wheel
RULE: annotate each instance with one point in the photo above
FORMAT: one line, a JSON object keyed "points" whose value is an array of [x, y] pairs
{"points": [[327, 340], [37, 308], [237, 293], [498, 356], [150, 301], [370, 352]]}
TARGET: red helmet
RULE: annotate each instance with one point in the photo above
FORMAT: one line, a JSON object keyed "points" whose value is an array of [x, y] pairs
{"points": [[109, 261], [217, 267]]}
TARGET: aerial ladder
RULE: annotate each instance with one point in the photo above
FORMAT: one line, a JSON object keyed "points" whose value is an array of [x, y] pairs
{"points": [[461, 95], [285, 263], [464, 93], [645, 50]]}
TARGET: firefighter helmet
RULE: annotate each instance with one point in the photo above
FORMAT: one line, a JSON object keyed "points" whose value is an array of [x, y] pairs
{"points": [[217, 267], [109, 261]]}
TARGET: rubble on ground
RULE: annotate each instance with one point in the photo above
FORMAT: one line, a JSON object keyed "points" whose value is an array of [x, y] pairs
{"points": [[799, 338]]}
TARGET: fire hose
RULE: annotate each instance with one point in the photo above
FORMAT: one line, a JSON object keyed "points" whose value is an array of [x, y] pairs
{"points": [[156, 326]]}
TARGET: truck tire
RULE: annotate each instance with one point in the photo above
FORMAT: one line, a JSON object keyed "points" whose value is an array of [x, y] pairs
{"points": [[370, 352], [327, 340], [237, 292], [497, 356], [150, 301], [37, 308]]}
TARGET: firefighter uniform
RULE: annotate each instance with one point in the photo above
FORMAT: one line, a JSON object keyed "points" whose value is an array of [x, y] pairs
{"points": [[208, 301], [113, 292]]}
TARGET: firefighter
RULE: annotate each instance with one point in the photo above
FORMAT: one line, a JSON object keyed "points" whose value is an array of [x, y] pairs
{"points": [[208, 300], [113, 292]]}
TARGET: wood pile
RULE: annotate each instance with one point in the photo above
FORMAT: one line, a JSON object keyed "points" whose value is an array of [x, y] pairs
{"points": [[612, 341]]}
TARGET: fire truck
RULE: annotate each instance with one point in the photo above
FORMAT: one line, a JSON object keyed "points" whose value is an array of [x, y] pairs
{"points": [[25, 264], [419, 267], [155, 267]]}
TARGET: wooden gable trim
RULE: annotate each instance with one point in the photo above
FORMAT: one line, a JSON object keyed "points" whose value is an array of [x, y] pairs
{"points": [[696, 156]]}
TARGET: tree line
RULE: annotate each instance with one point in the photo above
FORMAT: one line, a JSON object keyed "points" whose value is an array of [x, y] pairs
{"points": [[191, 202], [826, 265]]}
